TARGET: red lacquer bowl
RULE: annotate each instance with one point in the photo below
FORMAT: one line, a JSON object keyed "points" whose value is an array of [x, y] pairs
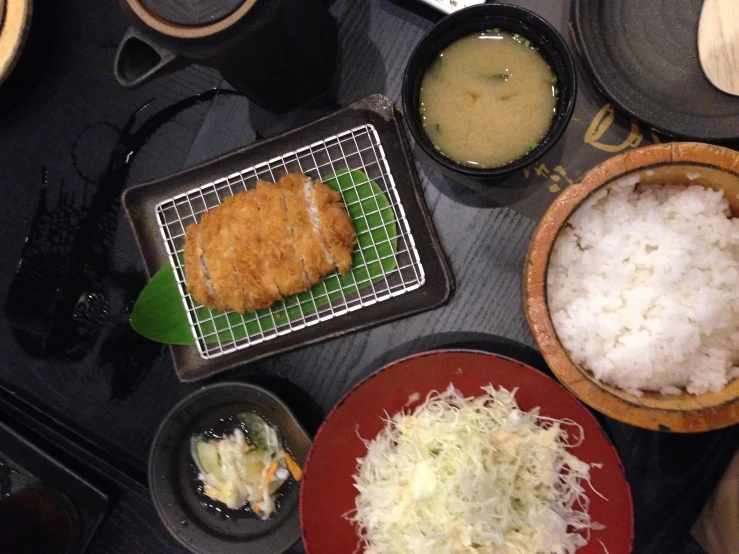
{"points": [[327, 491]]}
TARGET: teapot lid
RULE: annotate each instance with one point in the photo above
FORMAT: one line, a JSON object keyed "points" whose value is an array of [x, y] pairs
{"points": [[192, 13]]}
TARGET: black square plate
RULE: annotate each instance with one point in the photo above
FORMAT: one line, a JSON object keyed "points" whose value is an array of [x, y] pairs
{"points": [[378, 111]]}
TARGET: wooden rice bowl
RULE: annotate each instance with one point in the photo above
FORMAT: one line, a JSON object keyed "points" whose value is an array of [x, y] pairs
{"points": [[668, 164]]}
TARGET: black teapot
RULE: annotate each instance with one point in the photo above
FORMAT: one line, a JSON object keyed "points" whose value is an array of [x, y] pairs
{"points": [[279, 53]]}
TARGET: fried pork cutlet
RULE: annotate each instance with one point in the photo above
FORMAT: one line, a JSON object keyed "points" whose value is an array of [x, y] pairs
{"points": [[252, 250], [219, 244], [317, 260], [263, 244], [336, 228], [284, 263], [198, 285]]}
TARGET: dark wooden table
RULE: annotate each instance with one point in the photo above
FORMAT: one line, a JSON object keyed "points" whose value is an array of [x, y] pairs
{"points": [[71, 136]]}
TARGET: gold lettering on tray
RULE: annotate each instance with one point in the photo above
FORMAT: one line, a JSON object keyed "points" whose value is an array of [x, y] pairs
{"points": [[556, 177], [601, 123]]}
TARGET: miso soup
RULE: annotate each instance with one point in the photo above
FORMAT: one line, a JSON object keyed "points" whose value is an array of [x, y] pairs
{"points": [[488, 99]]}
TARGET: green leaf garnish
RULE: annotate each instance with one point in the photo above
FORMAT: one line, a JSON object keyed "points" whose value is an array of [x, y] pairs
{"points": [[159, 313]]}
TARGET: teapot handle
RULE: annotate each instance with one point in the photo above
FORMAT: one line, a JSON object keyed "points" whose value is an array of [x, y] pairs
{"points": [[138, 60]]}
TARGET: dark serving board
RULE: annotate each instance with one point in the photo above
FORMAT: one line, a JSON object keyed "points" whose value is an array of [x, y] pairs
{"points": [[644, 57], [376, 110], [32, 464]]}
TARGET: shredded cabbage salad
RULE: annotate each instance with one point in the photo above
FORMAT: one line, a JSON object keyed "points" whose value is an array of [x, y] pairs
{"points": [[472, 475], [246, 467]]}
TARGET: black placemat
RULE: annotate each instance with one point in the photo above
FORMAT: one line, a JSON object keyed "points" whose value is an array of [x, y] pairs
{"points": [[644, 57], [69, 130]]}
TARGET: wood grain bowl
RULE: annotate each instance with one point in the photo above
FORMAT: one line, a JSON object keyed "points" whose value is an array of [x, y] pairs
{"points": [[15, 23], [658, 164]]}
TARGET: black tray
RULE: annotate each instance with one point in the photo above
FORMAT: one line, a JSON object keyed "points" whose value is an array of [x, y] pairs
{"points": [[33, 464], [376, 110]]}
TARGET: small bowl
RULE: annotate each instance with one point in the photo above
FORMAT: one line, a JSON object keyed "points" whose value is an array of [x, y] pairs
{"points": [[718, 169], [462, 23], [172, 474]]}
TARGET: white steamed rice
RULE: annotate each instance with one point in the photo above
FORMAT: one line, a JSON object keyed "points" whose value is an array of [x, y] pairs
{"points": [[642, 288]]}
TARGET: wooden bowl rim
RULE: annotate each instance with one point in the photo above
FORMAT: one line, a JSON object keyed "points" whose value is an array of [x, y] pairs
{"points": [[182, 31], [15, 22], [578, 381]]}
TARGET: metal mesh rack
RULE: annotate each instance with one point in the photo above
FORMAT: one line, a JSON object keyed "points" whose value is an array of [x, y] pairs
{"points": [[386, 261]]}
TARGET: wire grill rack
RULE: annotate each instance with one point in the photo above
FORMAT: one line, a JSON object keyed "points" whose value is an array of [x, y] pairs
{"points": [[358, 149]]}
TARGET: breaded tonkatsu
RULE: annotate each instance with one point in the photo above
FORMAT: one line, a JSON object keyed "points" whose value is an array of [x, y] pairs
{"points": [[283, 258], [267, 243]]}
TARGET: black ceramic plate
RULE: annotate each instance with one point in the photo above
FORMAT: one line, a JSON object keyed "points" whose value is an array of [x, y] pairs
{"points": [[173, 477], [643, 56]]}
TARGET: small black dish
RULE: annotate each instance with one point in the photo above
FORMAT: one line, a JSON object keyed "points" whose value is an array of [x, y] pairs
{"points": [[513, 19], [174, 484]]}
